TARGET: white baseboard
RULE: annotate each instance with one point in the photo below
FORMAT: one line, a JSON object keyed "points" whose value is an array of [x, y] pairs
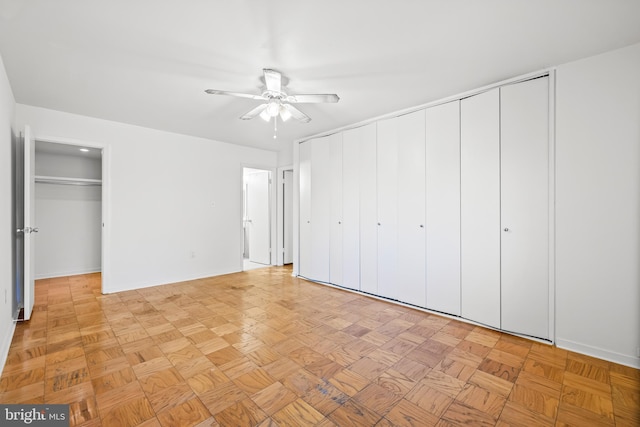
{"points": [[6, 344], [66, 273], [600, 353]]}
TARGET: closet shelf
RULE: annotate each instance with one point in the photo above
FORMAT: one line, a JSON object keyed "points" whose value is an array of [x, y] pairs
{"points": [[67, 181]]}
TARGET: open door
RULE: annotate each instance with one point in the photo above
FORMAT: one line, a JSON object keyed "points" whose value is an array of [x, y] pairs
{"points": [[258, 216], [29, 229]]}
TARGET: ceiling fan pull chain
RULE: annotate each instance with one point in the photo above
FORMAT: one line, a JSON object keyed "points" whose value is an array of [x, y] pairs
{"points": [[275, 126]]}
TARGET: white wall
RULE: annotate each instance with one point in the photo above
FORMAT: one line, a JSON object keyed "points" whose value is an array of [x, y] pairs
{"points": [[598, 205], [69, 217], [285, 157], [64, 165], [169, 196], [7, 107]]}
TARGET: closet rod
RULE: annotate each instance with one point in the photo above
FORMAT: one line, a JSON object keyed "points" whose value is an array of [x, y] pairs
{"points": [[68, 181]]}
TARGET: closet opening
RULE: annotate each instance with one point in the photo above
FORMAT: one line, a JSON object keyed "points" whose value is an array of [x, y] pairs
{"points": [[68, 210]]}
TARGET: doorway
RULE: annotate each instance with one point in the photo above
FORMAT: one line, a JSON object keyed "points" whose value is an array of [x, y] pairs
{"points": [[61, 214], [256, 218], [68, 209]]}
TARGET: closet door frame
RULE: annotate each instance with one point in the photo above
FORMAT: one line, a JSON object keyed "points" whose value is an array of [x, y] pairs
{"points": [[106, 201], [552, 206]]}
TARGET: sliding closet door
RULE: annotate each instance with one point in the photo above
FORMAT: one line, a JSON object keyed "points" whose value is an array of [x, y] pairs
{"points": [[305, 238], [411, 247], [351, 209], [387, 220], [335, 175], [525, 207], [368, 205], [443, 207], [480, 207], [320, 209]]}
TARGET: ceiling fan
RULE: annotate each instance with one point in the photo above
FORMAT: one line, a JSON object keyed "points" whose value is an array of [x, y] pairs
{"points": [[278, 103]]}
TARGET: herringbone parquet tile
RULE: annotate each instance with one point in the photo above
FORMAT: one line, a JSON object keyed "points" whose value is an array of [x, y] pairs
{"points": [[262, 348]]}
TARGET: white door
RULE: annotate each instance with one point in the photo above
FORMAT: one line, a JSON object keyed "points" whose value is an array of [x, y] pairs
{"points": [[320, 210], [258, 216], [287, 217], [368, 205], [443, 207], [480, 207], [387, 208], [29, 229], [411, 258], [351, 209], [305, 244], [525, 207], [335, 165]]}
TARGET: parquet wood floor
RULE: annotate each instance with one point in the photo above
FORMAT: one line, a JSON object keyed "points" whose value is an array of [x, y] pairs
{"points": [[262, 348]]}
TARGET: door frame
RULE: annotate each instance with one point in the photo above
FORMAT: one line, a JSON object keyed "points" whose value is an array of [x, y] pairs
{"points": [[105, 239], [272, 212], [280, 213]]}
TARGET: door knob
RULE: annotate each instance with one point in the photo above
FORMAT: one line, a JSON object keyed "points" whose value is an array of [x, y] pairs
{"points": [[35, 230], [421, 225], [506, 229]]}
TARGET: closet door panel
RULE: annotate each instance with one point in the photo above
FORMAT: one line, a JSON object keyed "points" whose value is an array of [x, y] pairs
{"points": [[411, 246], [525, 207], [443, 207], [480, 207], [305, 239], [336, 238], [351, 209], [387, 219], [368, 207], [320, 209]]}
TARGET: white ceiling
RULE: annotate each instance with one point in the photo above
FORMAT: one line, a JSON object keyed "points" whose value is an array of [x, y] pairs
{"points": [[148, 62]]}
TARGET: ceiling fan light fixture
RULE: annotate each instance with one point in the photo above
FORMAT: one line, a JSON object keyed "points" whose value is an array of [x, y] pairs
{"points": [[273, 109], [276, 101], [264, 115], [284, 113]]}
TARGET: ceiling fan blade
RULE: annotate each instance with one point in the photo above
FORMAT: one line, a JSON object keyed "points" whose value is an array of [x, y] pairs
{"points": [[313, 98], [297, 114], [253, 113], [273, 80], [236, 94]]}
